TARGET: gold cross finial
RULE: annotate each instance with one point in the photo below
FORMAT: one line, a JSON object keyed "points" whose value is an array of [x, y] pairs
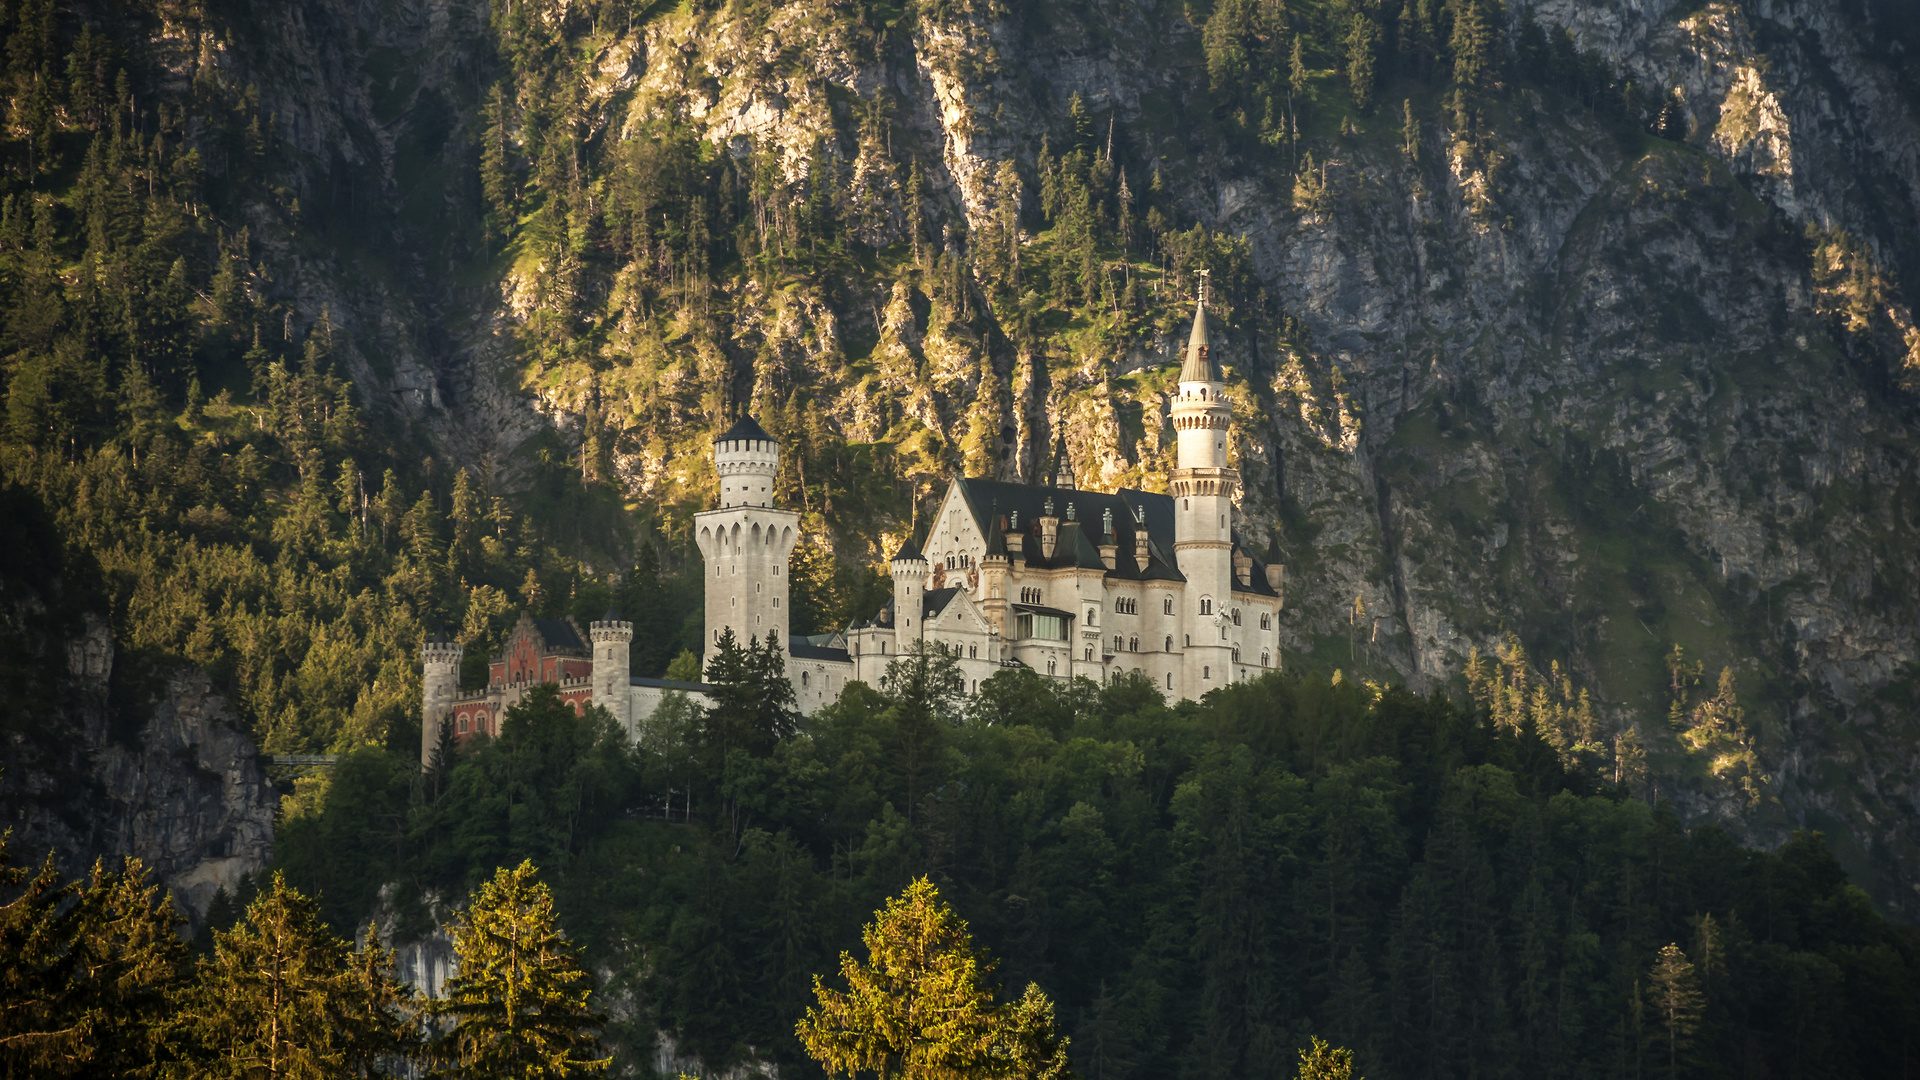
{"points": [[1204, 285]]}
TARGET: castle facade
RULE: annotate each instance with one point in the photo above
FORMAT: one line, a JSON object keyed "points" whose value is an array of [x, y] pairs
{"points": [[1065, 582]]}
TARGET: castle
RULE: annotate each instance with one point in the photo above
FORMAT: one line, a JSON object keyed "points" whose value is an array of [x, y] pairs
{"points": [[1068, 583]]}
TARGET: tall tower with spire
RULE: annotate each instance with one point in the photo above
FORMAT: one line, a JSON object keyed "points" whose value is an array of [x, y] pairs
{"points": [[747, 541], [1203, 486]]}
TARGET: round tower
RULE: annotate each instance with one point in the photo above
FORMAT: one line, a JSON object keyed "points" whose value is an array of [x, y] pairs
{"points": [[439, 686], [612, 665], [909, 569], [747, 461], [1203, 486], [746, 542]]}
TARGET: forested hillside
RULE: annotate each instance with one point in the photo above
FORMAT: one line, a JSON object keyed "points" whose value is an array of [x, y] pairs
{"points": [[1571, 344], [1199, 889]]}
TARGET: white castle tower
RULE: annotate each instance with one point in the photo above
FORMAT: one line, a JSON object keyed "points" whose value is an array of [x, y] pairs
{"points": [[612, 664], [439, 688], [747, 541], [909, 569], [1203, 487]]}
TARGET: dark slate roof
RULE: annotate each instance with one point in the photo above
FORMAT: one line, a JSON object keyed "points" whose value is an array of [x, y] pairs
{"points": [[559, 634], [1198, 365], [993, 502], [745, 429], [673, 684], [936, 601], [802, 651], [908, 550], [1257, 577]]}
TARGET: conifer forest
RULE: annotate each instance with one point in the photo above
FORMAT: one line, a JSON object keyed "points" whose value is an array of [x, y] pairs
{"points": [[1574, 382]]}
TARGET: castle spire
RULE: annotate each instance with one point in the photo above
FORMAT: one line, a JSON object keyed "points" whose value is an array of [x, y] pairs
{"points": [[1199, 366]]}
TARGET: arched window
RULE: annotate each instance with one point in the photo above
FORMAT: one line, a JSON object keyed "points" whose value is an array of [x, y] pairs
{"points": [[1266, 621], [1169, 642], [1206, 606], [1049, 667], [1166, 605], [1089, 654], [1236, 654], [1133, 644], [1116, 643], [1169, 680], [1189, 640], [1206, 673], [973, 652], [1236, 616], [1266, 658], [803, 679]]}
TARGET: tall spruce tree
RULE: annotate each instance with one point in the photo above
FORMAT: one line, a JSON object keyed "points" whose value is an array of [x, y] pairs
{"points": [[283, 996], [521, 1004]]}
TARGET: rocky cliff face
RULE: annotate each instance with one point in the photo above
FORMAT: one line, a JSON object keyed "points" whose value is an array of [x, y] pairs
{"points": [[1608, 393], [169, 778]]}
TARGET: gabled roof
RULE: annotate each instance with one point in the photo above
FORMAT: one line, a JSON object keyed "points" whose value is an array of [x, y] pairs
{"points": [[936, 601], [559, 634], [745, 429]]}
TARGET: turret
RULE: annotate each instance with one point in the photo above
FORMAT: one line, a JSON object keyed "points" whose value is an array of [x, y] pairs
{"points": [[1062, 465], [439, 686], [747, 461], [1049, 530], [1109, 541], [612, 666], [1203, 486], [909, 569]]}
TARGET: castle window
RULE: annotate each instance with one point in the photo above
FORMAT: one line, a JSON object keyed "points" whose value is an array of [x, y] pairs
{"points": [[1116, 642], [1206, 607], [1049, 667], [1236, 616], [803, 678], [1266, 621], [1089, 654], [1236, 654], [1169, 643], [1169, 679], [973, 652], [1206, 673], [1266, 658], [1166, 605], [1187, 639], [776, 601], [1133, 644]]}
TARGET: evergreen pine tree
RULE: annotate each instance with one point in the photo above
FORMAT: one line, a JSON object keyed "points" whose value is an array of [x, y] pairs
{"points": [[1673, 994], [283, 996], [520, 1005]]}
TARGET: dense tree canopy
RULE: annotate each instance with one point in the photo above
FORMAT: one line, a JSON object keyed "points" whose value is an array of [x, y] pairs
{"points": [[1198, 887]]}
